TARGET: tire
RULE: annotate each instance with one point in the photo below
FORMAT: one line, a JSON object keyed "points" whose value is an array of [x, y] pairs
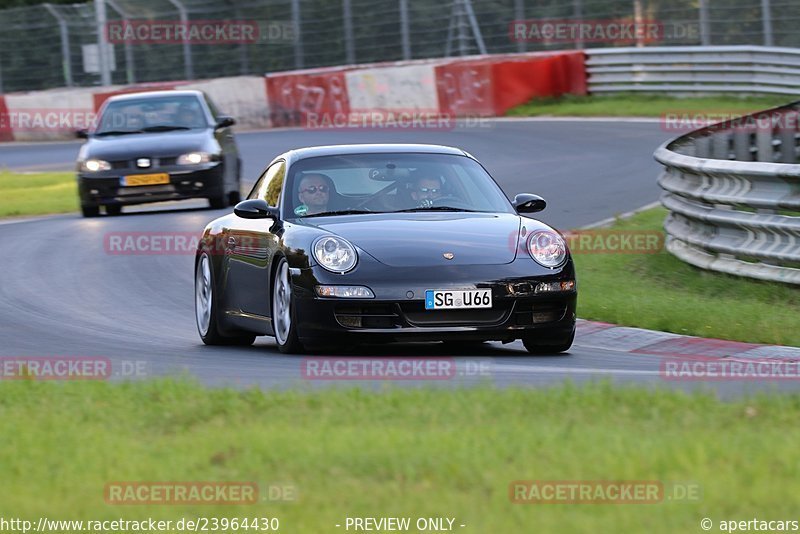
{"points": [[113, 210], [534, 347], [218, 202], [284, 325], [89, 210], [234, 197], [207, 309]]}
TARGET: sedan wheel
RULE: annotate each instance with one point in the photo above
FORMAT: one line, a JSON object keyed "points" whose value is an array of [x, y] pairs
{"points": [[283, 322], [206, 309]]}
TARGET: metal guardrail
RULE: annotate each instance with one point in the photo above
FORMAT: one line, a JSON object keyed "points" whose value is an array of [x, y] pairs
{"points": [[733, 192], [695, 69]]}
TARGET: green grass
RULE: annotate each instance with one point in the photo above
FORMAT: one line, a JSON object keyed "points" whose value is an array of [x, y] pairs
{"points": [[417, 453], [660, 292], [637, 105], [38, 193]]}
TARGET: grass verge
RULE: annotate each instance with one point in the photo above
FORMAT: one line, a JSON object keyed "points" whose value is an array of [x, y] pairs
{"points": [[408, 453], [38, 193], [660, 292], [637, 105]]}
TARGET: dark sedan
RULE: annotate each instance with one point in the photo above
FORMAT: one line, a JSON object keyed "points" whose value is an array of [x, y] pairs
{"points": [[370, 243], [157, 146]]}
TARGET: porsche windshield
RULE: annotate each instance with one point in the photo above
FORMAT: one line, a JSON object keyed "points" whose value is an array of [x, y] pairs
{"points": [[382, 183]]}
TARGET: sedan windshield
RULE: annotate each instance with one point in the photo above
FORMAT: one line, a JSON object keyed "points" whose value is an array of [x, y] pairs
{"points": [[390, 183], [150, 114]]}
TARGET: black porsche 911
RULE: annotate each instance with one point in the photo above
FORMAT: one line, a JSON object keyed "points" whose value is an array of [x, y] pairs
{"points": [[370, 243], [157, 146]]}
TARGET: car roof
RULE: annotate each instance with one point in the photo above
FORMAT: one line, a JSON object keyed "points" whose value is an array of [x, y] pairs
{"points": [[155, 94], [371, 148]]}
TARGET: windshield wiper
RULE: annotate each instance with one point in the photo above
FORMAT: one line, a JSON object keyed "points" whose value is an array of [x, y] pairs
{"points": [[164, 128], [118, 132], [434, 208], [340, 212]]}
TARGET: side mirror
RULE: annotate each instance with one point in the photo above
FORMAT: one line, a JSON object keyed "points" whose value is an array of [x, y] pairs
{"points": [[82, 134], [528, 203], [256, 208], [225, 121]]}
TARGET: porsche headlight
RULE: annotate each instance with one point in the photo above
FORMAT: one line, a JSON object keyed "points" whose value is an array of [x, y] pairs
{"points": [[95, 165], [335, 254], [547, 248], [194, 158]]}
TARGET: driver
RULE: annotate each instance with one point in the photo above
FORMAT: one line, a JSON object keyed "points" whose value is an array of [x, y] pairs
{"points": [[314, 192], [426, 190], [187, 116]]}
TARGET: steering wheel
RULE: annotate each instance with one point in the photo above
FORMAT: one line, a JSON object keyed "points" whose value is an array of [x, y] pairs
{"points": [[375, 196], [452, 201]]}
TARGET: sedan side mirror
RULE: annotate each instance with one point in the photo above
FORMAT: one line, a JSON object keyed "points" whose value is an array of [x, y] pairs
{"points": [[82, 134], [528, 203], [256, 208], [225, 121]]}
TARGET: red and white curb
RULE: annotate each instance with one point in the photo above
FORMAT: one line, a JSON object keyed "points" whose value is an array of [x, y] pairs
{"points": [[650, 342]]}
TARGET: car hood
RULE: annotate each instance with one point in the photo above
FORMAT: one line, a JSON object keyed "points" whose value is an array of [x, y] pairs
{"points": [[422, 239], [157, 144]]}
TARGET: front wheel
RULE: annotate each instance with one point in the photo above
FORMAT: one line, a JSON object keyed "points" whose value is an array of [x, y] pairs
{"points": [[90, 210], [539, 347], [218, 202], [283, 313], [206, 308], [113, 210]]}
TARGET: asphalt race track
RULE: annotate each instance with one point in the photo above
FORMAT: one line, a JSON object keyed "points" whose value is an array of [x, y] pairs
{"points": [[61, 294]]}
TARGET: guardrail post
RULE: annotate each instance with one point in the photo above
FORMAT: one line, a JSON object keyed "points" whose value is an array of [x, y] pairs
{"points": [[129, 67], [298, 35], [187, 47], [766, 22], [102, 42], [705, 28], [404, 31], [519, 15], [577, 10], [347, 19], [764, 145], [63, 29]]}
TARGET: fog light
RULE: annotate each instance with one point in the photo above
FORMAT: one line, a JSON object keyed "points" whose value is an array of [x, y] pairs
{"points": [[550, 287], [345, 292], [94, 192], [348, 321]]}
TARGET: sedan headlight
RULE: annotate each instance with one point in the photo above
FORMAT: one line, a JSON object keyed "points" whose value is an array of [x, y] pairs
{"points": [[335, 254], [95, 165], [547, 248], [194, 158]]}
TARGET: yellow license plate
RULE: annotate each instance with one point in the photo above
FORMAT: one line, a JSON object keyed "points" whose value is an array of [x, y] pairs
{"points": [[145, 179]]}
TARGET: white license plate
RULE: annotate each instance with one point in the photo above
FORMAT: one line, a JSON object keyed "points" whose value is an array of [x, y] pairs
{"points": [[458, 299]]}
